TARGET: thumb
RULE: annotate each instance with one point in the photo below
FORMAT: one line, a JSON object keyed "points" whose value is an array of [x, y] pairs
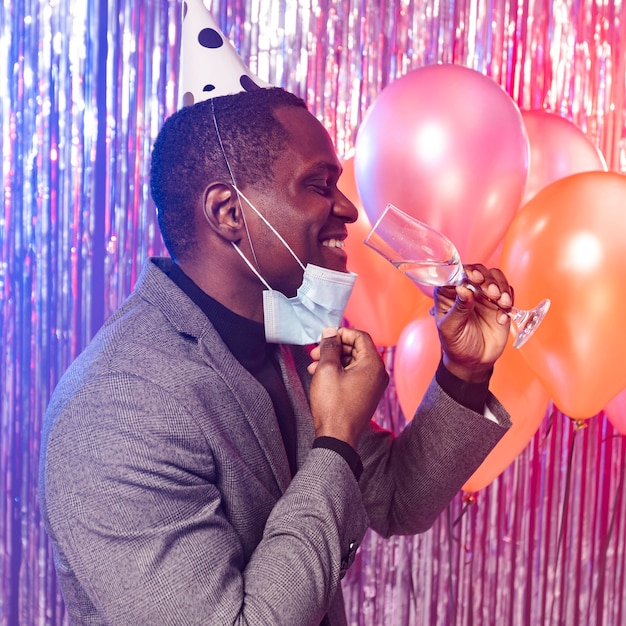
{"points": [[459, 309], [454, 314], [464, 301], [330, 347]]}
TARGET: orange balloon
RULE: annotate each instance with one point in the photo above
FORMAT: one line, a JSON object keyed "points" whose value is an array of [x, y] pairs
{"points": [[383, 300], [526, 400], [415, 360], [567, 244]]}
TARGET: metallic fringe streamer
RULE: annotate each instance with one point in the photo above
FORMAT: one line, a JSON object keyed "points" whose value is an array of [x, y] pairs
{"points": [[85, 88]]}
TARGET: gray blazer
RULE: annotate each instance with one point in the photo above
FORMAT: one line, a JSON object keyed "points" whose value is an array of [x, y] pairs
{"points": [[165, 487]]}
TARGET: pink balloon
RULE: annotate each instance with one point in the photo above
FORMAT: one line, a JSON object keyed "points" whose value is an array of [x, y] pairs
{"points": [[415, 360], [615, 412], [447, 145], [558, 149]]}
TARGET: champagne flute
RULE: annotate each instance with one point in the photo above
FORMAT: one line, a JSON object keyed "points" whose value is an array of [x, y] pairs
{"points": [[429, 258]]}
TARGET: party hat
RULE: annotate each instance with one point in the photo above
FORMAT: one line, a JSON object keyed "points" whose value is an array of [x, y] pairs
{"points": [[210, 65]]}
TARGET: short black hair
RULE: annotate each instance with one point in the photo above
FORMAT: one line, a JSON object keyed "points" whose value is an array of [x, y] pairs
{"points": [[187, 155]]}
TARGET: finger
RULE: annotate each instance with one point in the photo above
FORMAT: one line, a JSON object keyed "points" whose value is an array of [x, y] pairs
{"points": [[476, 273], [352, 337], [492, 281], [355, 342], [506, 293], [446, 298], [346, 354], [315, 353], [465, 300]]}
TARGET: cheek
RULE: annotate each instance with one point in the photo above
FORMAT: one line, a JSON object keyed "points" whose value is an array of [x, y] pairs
{"points": [[297, 230]]}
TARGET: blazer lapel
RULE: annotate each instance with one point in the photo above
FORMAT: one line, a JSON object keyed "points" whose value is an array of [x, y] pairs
{"points": [[296, 380], [251, 397], [255, 404]]}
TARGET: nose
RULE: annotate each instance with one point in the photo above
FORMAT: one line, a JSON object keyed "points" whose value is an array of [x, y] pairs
{"points": [[344, 208]]}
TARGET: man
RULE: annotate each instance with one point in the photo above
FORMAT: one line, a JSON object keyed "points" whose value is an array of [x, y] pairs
{"points": [[194, 473]]}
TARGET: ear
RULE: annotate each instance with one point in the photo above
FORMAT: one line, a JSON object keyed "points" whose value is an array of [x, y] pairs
{"points": [[222, 210]]}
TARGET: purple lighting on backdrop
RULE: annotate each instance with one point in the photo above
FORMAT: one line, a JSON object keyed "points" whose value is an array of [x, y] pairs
{"points": [[85, 88]]}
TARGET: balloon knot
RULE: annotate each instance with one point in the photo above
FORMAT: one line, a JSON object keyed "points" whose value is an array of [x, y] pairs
{"points": [[469, 498]]}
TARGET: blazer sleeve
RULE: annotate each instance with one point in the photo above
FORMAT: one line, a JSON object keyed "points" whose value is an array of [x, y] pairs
{"points": [[409, 480], [128, 494]]}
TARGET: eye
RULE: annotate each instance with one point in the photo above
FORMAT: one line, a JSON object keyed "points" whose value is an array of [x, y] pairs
{"points": [[321, 186]]}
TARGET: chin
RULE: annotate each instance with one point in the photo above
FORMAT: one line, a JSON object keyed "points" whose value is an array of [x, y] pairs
{"points": [[341, 267], [339, 264]]}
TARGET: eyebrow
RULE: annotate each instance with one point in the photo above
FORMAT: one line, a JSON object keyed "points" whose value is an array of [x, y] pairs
{"points": [[326, 166]]}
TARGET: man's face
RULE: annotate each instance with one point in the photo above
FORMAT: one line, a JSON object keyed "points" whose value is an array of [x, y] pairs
{"points": [[302, 203]]}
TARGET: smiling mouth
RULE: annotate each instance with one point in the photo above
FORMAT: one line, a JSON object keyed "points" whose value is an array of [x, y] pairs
{"points": [[333, 243]]}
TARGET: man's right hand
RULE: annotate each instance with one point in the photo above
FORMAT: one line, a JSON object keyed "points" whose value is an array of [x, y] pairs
{"points": [[349, 378]]}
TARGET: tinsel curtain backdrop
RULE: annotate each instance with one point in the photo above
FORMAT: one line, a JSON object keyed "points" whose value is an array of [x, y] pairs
{"points": [[85, 86]]}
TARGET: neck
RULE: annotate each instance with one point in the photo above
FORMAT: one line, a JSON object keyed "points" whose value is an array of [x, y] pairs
{"points": [[242, 294]]}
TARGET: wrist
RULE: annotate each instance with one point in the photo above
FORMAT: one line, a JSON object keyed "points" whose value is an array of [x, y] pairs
{"points": [[472, 395], [341, 434], [345, 450], [475, 373]]}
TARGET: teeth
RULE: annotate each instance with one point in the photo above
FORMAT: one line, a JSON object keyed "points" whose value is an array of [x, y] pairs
{"points": [[333, 243]]}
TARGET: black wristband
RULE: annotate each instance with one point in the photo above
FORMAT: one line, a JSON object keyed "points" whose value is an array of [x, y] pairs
{"points": [[471, 395], [345, 450]]}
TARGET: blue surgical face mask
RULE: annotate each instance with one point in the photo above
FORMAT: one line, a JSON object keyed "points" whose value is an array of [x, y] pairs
{"points": [[319, 301]]}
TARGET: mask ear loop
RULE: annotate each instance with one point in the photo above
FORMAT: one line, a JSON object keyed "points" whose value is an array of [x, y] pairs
{"points": [[254, 269], [243, 215], [266, 222]]}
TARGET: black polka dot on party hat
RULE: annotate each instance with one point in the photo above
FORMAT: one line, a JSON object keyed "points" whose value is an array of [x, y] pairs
{"points": [[208, 87], [210, 38], [184, 10], [247, 83]]}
